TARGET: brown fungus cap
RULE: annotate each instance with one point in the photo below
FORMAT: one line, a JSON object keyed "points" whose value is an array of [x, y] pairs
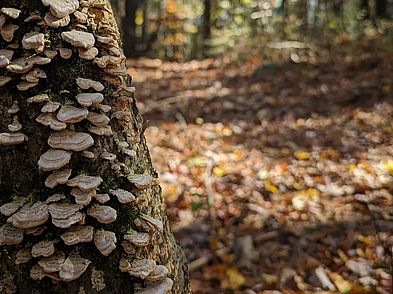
{"points": [[30, 216], [54, 159], [10, 235], [79, 39], [52, 264], [9, 139], [78, 217], [34, 40], [59, 177], [128, 247], [72, 114], [23, 256], [44, 248], [63, 210], [139, 239], [48, 119], [86, 84], [82, 196], [61, 8], [70, 140], [88, 54], [73, 268], [123, 196], [88, 99], [65, 53], [55, 22], [141, 268], [37, 273], [50, 107], [7, 31], [105, 241], [152, 222], [101, 131], [78, 234], [102, 213], [141, 181], [161, 287], [159, 273], [84, 182], [38, 98], [101, 198], [55, 198], [5, 57], [98, 119], [10, 208], [11, 12]]}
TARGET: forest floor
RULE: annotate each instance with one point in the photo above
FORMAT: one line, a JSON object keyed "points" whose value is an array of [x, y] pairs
{"points": [[278, 178]]}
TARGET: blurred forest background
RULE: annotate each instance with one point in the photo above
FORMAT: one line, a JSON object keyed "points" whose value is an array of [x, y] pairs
{"points": [[270, 124]]}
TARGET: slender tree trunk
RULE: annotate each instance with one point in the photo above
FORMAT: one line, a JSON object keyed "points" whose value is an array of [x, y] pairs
{"points": [[129, 27], [102, 156], [381, 8]]}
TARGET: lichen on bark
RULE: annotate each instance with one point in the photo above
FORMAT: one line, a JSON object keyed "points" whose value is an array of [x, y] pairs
{"points": [[20, 176]]}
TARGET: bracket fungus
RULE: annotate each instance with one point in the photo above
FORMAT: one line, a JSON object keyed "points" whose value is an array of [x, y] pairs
{"points": [[15, 126], [101, 198], [54, 159], [123, 196], [30, 216], [11, 12], [61, 8], [50, 107], [14, 108], [84, 182], [108, 156], [55, 22], [102, 213], [101, 131], [161, 287], [38, 98], [128, 247], [63, 210], [88, 54], [43, 248], [59, 177], [5, 57], [78, 217], [72, 114], [152, 222], [141, 181], [7, 31], [159, 273], [23, 256], [55, 198], [78, 234], [10, 235], [139, 239], [70, 140], [88, 99], [98, 119], [65, 53], [37, 273], [73, 268], [82, 196], [142, 268], [79, 39], [86, 84], [34, 40], [9, 139], [105, 241], [10, 208], [47, 119], [53, 263]]}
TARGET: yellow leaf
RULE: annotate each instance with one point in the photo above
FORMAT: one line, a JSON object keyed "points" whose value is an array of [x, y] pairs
{"points": [[389, 166], [302, 155], [270, 186], [219, 172], [232, 279], [342, 285]]}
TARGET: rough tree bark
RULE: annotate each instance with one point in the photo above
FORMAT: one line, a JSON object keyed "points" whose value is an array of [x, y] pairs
{"points": [[95, 140]]}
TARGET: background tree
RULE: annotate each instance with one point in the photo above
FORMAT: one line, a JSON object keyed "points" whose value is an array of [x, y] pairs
{"points": [[81, 209]]}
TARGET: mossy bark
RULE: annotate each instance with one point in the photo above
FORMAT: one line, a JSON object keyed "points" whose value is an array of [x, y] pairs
{"points": [[20, 176]]}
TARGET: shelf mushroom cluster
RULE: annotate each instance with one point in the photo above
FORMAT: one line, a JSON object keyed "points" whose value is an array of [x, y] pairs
{"points": [[69, 139]]}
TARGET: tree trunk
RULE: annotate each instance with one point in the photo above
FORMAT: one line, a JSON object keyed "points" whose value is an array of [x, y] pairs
{"points": [[103, 139], [381, 8]]}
